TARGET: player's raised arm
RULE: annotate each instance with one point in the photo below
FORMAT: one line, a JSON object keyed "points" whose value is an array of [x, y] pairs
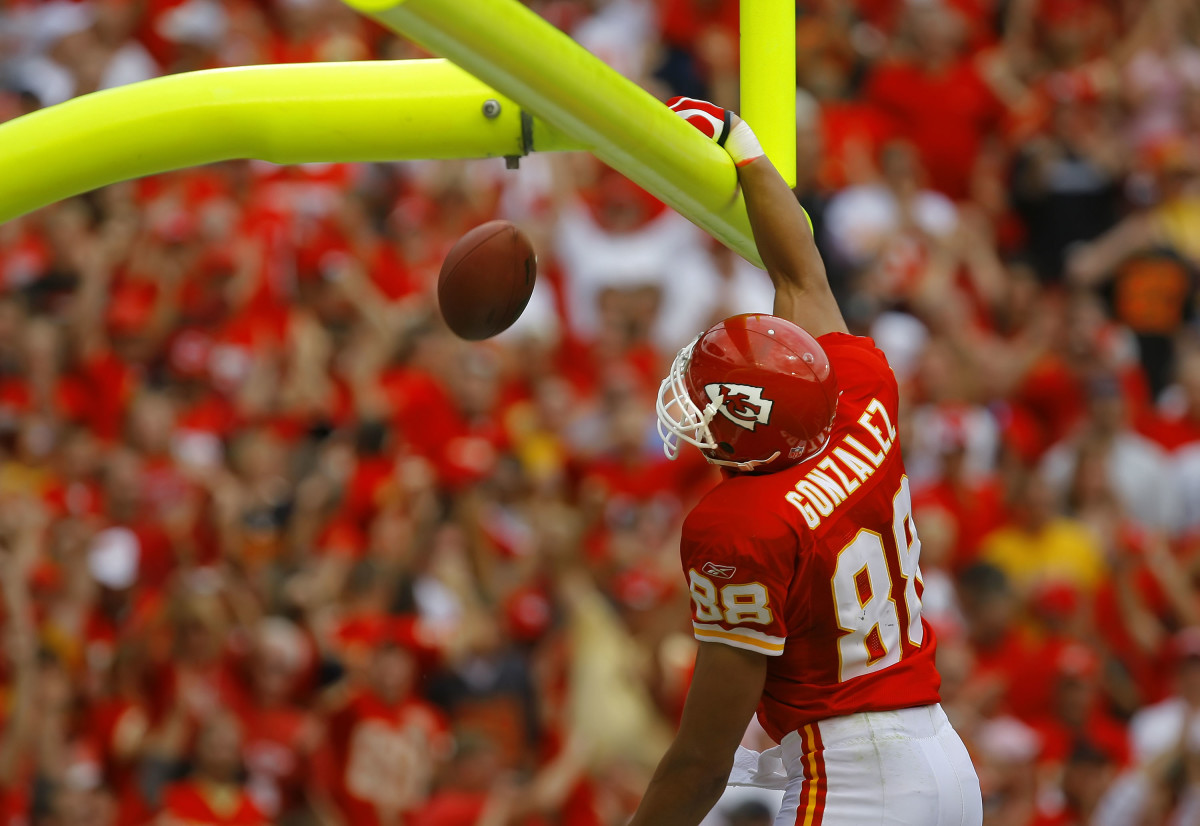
{"points": [[780, 225]]}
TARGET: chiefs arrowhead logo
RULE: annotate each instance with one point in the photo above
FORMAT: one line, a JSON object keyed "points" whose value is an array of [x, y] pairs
{"points": [[718, 571], [743, 404]]}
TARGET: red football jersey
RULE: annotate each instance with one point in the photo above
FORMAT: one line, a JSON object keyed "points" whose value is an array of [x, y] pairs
{"points": [[194, 804], [384, 757], [817, 565]]}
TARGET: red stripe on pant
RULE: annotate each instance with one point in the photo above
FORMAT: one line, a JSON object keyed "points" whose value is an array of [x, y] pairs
{"points": [[811, 806], [822, 776]]}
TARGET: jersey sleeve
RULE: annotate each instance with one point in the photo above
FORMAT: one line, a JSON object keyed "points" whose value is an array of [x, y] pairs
{"points": [[862, 369], [858, 358], [739, 572]]}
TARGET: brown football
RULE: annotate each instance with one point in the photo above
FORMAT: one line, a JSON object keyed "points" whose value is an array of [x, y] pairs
{"points": [[486, 280]]}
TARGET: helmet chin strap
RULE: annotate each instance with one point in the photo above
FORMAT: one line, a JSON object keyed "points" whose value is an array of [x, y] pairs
{"points": [[744, 466]]}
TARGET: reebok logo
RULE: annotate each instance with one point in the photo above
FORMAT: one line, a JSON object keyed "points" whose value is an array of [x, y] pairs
{"points": [[718, 571]]}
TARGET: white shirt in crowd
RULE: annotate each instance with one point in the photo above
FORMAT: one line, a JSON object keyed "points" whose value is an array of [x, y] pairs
{"points": [[1139, 472]]}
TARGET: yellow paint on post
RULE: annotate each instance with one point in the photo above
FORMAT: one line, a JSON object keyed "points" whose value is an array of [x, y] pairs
{"points": [[364, 111], [519, 54], [768, 79]]}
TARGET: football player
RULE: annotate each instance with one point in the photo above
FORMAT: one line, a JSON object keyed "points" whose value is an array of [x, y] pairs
{"points": [[803, 562]]}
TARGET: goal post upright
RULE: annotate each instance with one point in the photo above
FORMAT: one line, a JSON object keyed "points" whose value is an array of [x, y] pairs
{"points": [[768, 78], [512, 49]]}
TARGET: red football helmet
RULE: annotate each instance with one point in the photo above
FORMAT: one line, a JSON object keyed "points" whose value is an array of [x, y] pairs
{"points": [[753, 392]]}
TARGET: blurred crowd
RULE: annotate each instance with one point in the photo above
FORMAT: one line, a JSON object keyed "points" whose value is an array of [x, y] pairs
{"points": [[277, 548]]}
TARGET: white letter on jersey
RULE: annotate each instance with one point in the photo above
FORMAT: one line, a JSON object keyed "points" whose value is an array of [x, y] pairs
{"points": [[815, 496], [828, 464], [865, 420], [806, 510], [836, 492], [860, 468], [876, 458]]}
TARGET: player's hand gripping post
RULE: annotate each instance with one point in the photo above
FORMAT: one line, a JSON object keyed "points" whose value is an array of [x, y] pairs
{"points": [[780, 225]]}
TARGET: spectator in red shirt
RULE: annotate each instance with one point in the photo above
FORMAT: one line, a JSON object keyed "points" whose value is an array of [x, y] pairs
{"points": [[198, 682], [475, 791], [384, 742], [81, 806], [1078, 713], [1086, 776], [213, 794], [936, 98], [700, 39], [280, 734], [1012, 671], [973, 501]]}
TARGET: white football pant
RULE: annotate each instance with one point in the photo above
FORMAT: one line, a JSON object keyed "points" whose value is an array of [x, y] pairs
{"points": [[893, 768]]}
